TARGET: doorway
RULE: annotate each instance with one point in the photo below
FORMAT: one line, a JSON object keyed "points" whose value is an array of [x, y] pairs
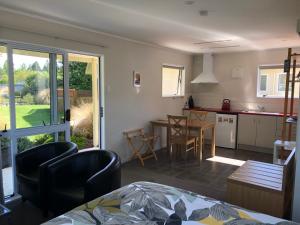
{"points": [[84, 92], [38, 87]]}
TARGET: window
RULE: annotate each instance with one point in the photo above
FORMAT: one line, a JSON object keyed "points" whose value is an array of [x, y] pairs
{"points": [[173, 81], [271, 82]]}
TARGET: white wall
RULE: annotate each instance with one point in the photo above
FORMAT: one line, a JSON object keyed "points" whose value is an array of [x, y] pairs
{"points": [[242, 91], [124, 108]]}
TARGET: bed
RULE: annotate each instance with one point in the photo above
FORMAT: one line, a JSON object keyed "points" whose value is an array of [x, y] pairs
{"points": [[145, 203]]}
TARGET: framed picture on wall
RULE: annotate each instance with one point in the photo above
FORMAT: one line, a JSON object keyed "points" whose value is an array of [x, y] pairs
{"points": [[136, 79]]}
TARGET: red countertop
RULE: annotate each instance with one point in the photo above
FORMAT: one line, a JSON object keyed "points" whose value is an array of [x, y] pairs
{"points": [[237, 111]]}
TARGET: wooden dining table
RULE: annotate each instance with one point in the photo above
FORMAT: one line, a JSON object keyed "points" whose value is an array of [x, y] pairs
{"points": [[201, 126]]}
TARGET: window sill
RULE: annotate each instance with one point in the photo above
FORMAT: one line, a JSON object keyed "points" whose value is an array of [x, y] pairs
{"points": [[274, 97], [174, 96]]}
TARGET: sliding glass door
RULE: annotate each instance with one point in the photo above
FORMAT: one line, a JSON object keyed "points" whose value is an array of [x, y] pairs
{"points": [[34, 103]]}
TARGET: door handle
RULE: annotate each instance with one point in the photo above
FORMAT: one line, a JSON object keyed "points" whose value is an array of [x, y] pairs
{"points": [[68, 115]]}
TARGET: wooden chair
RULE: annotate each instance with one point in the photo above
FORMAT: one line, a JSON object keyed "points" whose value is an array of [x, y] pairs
{"points": [[200, 116], [178, 134], [146, 141]]}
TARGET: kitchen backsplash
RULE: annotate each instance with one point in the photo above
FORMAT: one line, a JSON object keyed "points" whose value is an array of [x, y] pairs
{"points": [[269, 105]]}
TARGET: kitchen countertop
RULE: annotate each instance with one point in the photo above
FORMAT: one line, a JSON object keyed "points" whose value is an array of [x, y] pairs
{"points": [[247, 112]]}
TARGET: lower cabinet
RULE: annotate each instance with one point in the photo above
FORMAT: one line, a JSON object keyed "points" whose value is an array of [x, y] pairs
{"points": [[246, 130], [257, 130], [265, 131]]}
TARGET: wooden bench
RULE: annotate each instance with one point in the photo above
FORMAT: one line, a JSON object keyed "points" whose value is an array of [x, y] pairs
{"points": [[263, 187]]}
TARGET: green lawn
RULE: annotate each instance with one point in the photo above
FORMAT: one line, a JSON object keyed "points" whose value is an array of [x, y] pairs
{"points": [[27, 115]]}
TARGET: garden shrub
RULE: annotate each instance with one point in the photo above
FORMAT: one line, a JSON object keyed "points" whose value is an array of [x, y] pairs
{"points": [[43, 97], [79, 140], [43, 139], [82, 119], [24, 143], [28, 99]]}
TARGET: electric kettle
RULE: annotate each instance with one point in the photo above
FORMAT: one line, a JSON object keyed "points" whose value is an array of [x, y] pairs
{"points": [[226, 104]]}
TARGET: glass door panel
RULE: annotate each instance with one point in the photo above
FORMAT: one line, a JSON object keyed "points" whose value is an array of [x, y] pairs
{"points": [[7, 171], [84, 99], [6, 160], [60, 78], [4, 91], [32, 88], [33, 112]]}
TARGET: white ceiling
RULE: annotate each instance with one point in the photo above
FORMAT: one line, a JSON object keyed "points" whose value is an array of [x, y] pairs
{"points": [[243, 24]]}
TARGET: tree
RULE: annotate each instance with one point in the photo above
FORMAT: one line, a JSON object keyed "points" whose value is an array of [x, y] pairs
{"points": [[4, 73], [35, 82], [35, 66], [78, 78], [46, 66]]}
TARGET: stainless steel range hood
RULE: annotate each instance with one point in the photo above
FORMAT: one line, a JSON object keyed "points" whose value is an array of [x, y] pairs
{"points": [[207, 76]]}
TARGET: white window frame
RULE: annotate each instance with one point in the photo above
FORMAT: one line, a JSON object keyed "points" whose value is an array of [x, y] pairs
{"points": [[182, 81], [274, 66], [15, 133]]}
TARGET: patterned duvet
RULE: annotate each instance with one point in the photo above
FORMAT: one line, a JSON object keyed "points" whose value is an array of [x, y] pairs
{"points": [[144, 203]]}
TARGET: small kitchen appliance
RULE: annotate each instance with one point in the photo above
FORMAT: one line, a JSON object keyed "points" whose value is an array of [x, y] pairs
{"points": [[226, 104], [226, 130]]}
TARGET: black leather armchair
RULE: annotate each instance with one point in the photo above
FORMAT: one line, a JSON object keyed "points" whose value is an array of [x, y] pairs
{"points": [[32, 166], [82, 177]]}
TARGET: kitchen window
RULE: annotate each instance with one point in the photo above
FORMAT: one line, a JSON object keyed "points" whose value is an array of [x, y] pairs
{"points": [[271, 82], [173, 81]]}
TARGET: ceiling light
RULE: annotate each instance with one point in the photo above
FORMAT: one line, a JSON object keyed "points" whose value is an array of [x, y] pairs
{"points": [[203, 13], [230, 46], [211, 42], [189, 2]]}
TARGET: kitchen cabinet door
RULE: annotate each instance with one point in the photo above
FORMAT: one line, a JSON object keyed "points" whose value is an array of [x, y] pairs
{"points": [[265, 131], [246, 130]]}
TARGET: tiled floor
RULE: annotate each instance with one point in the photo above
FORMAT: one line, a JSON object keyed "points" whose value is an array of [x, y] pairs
{"points": [[205, 177]]}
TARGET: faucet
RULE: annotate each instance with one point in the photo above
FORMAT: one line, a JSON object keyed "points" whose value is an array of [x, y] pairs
{"points": [[261, 108]]}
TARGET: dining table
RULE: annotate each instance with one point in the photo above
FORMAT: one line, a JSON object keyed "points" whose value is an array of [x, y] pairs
{"points": [[200, 126]]}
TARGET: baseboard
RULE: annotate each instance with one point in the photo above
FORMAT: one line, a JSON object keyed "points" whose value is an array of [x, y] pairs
{"points": [[255, 149]]}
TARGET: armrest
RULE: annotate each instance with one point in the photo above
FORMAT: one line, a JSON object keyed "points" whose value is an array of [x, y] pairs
{"points": [[29, 159], [104, 181], [43, 171], [45, 165]]}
